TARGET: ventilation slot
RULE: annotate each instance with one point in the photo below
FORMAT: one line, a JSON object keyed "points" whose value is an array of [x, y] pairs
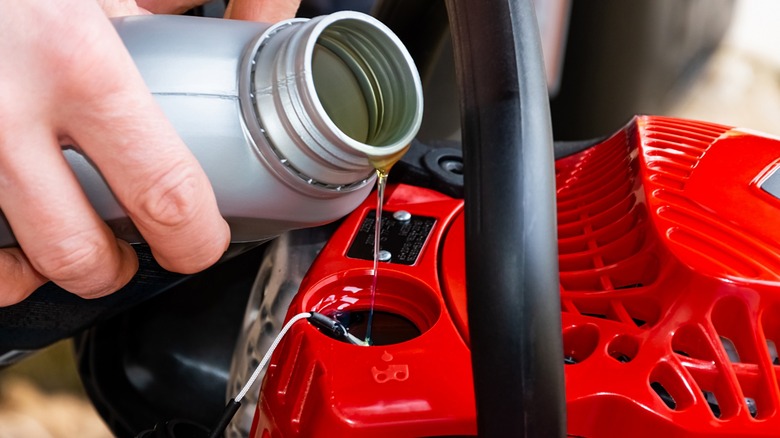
{"points": [[703, 233], [770, 323], [702, 239], [579, 342], [712, 402], [690, 341], [623, 348], [772, 349], [644, 312], [716, 393], [670, 388], [664, 395], [639, 312], [732, 322], [731, 350], [602, 228], [683, 135], [638, 270], [751, 406], [758, 397]]}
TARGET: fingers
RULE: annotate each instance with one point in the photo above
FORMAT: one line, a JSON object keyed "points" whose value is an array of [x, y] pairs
{"points": [[153, 174], [169, 6], [162, 188], [119, 8], [266, 11], [19, 277], [62, 237], [79, 83], [155, 177]]}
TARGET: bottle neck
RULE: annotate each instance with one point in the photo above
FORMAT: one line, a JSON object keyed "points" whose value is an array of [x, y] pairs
{"points": [[330, 97]]}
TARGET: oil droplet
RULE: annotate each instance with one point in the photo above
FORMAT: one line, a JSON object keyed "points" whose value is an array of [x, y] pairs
{"points": [[387, 357]]}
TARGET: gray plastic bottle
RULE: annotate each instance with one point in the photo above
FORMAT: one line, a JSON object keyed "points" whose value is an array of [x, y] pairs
{"points": [[285, 118]]}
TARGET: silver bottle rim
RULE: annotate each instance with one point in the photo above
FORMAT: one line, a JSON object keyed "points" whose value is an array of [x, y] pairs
{"points": [[393, 44], [321, 143]]}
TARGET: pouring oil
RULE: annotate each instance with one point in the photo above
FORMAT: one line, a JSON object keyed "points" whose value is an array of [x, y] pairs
{"points": [[381, 182], [382, 168]]}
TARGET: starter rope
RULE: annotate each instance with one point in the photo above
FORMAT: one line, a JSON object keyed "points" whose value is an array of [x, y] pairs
{"points": [[270, 352]]}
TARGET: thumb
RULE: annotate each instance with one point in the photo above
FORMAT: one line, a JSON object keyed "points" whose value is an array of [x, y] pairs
{"points": [[266, 11]]}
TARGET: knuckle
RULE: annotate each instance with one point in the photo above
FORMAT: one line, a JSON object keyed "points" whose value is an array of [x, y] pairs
{"points": [[170, 200], [15, 288], [10, 295], [200, 261], [195, 255], [79, 264], [16, 279]]}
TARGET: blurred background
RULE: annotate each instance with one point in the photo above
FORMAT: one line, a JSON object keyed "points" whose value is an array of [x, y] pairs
{"points": [[42, 397], [740, 85], [737, 83]]}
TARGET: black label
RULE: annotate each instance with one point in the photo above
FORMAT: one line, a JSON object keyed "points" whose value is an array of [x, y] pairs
{"points": [[403, 239]]}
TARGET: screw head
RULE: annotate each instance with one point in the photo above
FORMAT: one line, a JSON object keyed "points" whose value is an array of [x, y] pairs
{"points": [[384, 255], [402, 215]]}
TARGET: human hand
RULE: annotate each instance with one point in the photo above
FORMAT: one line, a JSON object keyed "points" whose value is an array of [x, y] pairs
{"points": [[66, 79], [265, 11]]}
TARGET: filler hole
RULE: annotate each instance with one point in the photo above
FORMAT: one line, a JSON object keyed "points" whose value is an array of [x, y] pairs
{"points": [[386, 329]]}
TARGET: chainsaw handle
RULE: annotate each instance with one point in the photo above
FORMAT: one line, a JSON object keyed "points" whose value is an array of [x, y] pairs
{"points": [[510, 212]]}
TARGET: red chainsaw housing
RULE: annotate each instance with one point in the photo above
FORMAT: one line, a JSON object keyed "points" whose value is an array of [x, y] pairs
{"points": [[669, 260]]}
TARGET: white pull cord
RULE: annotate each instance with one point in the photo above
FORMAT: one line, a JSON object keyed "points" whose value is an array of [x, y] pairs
{"points": [[270, 352], [323, 322]]}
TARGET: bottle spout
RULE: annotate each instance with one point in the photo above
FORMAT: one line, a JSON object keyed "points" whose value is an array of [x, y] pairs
{"points": [[334, 96]]}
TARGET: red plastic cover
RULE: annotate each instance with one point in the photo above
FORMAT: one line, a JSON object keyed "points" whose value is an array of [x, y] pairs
{"points": [[669, 267]]}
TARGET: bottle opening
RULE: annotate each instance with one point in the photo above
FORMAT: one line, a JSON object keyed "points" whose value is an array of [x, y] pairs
{"points": [[405, 308], [364, 88], [334, 98]]}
